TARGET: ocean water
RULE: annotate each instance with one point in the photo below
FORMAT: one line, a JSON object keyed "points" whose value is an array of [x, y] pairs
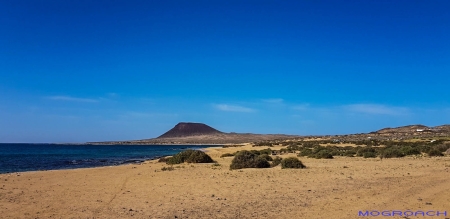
{"points": [[32, 157]]}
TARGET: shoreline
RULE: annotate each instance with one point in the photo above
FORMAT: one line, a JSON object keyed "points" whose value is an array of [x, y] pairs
{"points": [[78, 144], [77, 168], [343, 186], [159, 144], [120, 162]]}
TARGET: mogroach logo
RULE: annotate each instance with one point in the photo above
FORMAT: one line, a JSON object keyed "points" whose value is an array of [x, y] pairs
{"points": [[408, 213]]}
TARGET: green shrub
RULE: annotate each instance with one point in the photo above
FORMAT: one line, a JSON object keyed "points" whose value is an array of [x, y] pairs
{"points": [[369, 154], [349, 153], [255, 152], [334, 151], [442, 147], [162, 160], [323, 154], [424, 148], [408, 150], [292, 162], [350, 148], [227, 155], [167, 168], [293, 147], [267, 151], [284, 150], [266, 157], [247, 159], [362, 150], [318, 148], [180, 157], [261, 163], [305, 152], [199, 157], [174, 160], [190, 156], [276, 161], [435, 153], [391, 153]]}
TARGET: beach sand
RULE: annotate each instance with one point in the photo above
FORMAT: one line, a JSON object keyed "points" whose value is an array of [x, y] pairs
{"points": [[335, 188]]}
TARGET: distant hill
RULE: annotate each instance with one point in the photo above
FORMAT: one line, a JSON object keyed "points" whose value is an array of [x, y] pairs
{"points": [[403, 129], [199, 133], [414, 130], [443, 128], [186, 129]]}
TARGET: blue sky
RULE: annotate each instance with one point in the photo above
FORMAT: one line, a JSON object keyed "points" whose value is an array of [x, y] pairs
{"points": [[76, 71]]}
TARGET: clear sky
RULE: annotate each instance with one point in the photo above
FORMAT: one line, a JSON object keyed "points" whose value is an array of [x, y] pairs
{"points": [[76, 71]]}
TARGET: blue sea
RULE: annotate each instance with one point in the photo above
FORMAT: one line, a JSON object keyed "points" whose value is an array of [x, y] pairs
{"points": [[32, 157]]}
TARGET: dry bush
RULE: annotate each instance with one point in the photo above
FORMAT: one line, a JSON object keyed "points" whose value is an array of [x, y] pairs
{"points": [[190, 156], [292, 162], [247, 159]]}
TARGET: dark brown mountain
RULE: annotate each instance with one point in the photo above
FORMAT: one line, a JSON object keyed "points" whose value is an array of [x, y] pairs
{"points": [[185, 129], [199, 133]]}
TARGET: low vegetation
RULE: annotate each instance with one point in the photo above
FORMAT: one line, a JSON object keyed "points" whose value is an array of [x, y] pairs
{"points": [[259, 159], [190, 156], [267, 151], [349, 153], [276, 161], [369, 154], [167, 168], [314, 149], [162, 159], [228, 155], [391, 152], [323, 154], [369, 148], [266, 157], [248, 159], [305, 152], [435, 153], [292, 162], [317, 151]]}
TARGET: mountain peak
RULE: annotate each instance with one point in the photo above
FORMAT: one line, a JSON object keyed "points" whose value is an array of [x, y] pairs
{"points": [[184, 129]]}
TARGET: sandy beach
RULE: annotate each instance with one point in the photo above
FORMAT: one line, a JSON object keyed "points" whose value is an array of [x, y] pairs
{"points": [[334, 188]]}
